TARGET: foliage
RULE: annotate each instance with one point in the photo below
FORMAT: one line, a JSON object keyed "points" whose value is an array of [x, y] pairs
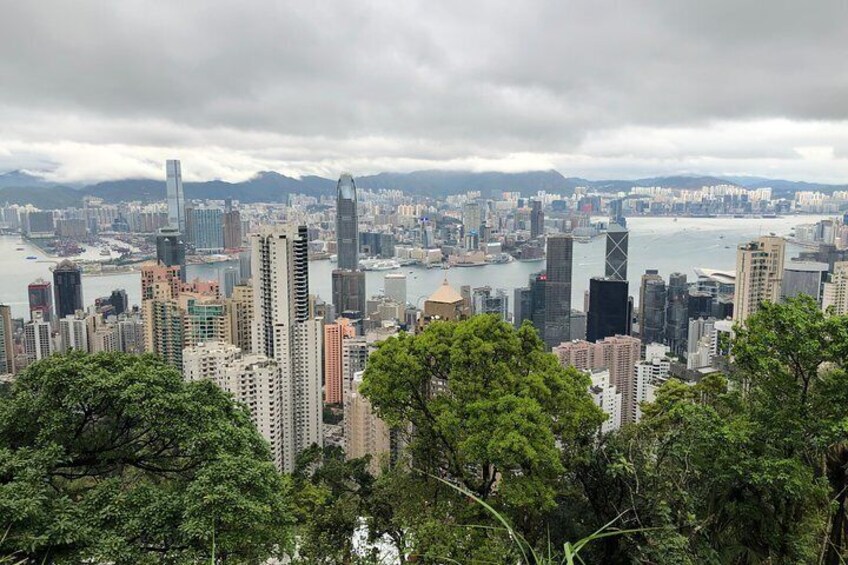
{"points": [[114, 458]]}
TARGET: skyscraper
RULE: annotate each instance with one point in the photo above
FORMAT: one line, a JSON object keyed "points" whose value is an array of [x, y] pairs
{"points": [[284, 331], [170, 249], [37, 342], [835, 293], [7, 343], [347, 224], [537, 219], [176, 200], [759, 275], [67, 285], [335, 335], [395, 287], [232, 226], [677, 313], [609, 309], [348, 289], [616, 257], [558, 289], [207, 229], [40, 294], [652, 298]]}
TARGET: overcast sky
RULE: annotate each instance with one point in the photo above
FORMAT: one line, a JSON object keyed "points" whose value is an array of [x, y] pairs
{"points": [[601, 89]]}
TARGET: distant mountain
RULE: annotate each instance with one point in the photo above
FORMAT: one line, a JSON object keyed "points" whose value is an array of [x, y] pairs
{"points": [[787, 187], [21, 178], [442, 183], [44, 197]]}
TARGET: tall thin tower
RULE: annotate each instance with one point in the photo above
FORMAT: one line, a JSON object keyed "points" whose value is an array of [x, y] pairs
{"points": [[176, 199], [558, 290], [347, 224], [616, 258], [284, 331]]}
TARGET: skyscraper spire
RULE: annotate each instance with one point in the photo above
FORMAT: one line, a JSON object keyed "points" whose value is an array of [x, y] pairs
{"points": [[176, 199]]}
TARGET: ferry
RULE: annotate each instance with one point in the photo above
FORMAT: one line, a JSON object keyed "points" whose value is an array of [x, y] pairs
{"points": [[379, 265], [31, 257]]}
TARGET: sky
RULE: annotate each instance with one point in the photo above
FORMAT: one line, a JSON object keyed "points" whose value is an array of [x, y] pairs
{"points": [[101, 90]]}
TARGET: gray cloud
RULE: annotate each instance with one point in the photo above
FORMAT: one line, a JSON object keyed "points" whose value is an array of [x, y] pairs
{"points": [[312, 87]]}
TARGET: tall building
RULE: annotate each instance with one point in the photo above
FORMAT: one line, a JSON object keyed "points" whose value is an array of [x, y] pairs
{"points": [[348, 289], [7, 342], [759, 275], [365, 433], [347, 224], [560, 251], [522, 305], [803, 277], [170, 249], [40, 294], [176, 199], [835, 294], [284, 331], [615, 265], [394, 287], [240, 311], [37, 342], [155, 273], [335, 334], [607, 398], [652, 298], [207, 229], [620, 355], [67, 286], [472, 217], [537, 219], [232, 226], [609, 309], [75, 331], [677, 313], [649, 375], [484, 300]]}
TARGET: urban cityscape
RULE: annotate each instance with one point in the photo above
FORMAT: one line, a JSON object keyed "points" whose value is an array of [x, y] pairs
{"points": [[372, 283]]}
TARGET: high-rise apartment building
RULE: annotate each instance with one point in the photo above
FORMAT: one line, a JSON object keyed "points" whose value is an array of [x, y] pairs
{"points": [[7, 342], [677, 313], [240, 311], [652, 298], [835, 294], [560, 251], [40, 294], [75, 331], [38, 344], [156, 273], [609, 309], [67, 286], [347, 224], [176, 199], [365, 433], [284, 331], [335, 334], [759, 275], [615, 264]]}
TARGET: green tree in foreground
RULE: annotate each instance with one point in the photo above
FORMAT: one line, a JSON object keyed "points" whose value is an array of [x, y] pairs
{"points": [[488, 408], [111, 458]]}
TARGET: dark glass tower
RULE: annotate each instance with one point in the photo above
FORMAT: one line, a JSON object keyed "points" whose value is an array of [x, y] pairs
{"points": [[67, 284], [349, 292], [609, 309], [170, 249], [677, 313], [347, 224], [616, 258], [652, 298], [537, 302], [41, 299], [537, 219], [560, 252]]}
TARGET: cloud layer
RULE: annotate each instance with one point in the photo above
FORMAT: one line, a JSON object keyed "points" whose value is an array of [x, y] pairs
{"points": [[94, 90]]}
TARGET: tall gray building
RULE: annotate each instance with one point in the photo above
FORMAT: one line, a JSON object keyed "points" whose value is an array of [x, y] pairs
{"points": [[677, 313], [616, 258], [348, 292], [652, 298], [170, 249], [560, 252], [537, 219], [176, 199], [347, 224]]}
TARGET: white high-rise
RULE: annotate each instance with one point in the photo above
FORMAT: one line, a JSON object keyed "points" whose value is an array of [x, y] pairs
{"points": [[38, 344], [835, 293], [759, 275], [176, 199], [284, 331]]}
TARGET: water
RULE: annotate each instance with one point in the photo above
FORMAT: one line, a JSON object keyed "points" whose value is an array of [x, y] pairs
{"points": [[655, 243]]}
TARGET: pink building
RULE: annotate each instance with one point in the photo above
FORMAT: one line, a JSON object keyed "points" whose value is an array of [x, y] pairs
{"points": [[334, 336]]}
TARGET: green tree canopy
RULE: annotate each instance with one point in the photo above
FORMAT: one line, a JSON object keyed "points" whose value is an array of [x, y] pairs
{"points": [[112, 458]]}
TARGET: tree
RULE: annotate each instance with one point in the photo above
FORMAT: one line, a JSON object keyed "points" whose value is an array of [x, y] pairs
{"points": [[488, 408], [114, 458]]}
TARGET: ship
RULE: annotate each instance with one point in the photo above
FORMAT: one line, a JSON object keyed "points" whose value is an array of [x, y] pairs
{"points": [[378, 265]]}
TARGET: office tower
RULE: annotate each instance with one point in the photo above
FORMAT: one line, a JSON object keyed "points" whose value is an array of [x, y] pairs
{"points": [[759, 275], [803, 277], [232, 226], [652, 298], [609, 309], [207, 231], [284, 331], [578, 325], [522, 305], [349, 292], [41, 299], [616, 215], [700, 304], [74, 331], [365, 433], [67, 286], [558, 289], [537, 219], [677, 313], [615, 267], [176, 200], [254, 381], [231, 277], [170, 249], [37, 342], [240, 311], [395, 287], [537, 302], [7, 342], [446, 304], [347, 224], [486, 301], [835, 294], [244, 265], [472, 217], [119, 301], [335, 335]]}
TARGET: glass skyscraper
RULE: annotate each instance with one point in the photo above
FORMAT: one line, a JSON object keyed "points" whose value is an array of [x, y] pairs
{"points": [[616, 257], [67, 284], [347, 224], [176, 199]]}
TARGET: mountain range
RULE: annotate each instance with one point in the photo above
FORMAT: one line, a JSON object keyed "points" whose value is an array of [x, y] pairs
{"points": [[18, 187]]}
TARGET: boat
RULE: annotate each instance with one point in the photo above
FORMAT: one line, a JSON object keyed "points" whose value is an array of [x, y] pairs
{"points": [[379, 265], [31, 257], [19, 248]]}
